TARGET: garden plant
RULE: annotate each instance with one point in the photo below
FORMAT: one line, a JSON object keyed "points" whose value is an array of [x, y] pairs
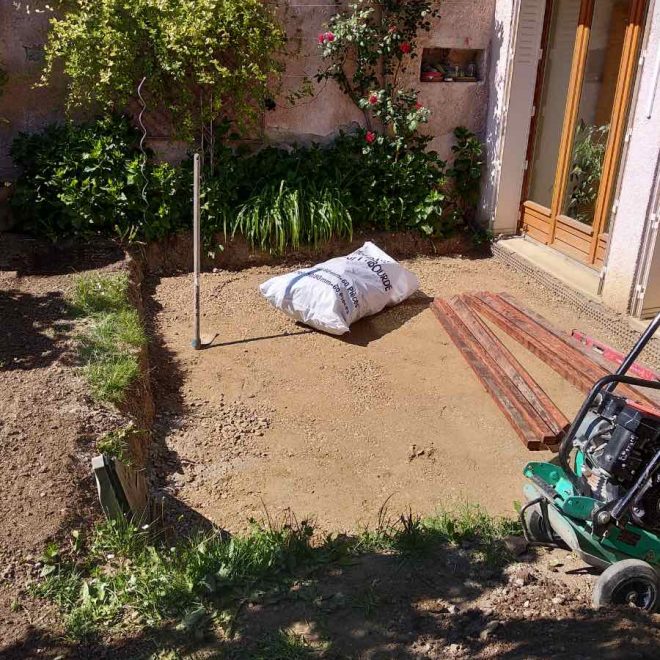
{"points": [[93, 178]]}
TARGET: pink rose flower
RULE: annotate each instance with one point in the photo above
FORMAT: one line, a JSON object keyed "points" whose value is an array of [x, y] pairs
{"points": [[370, 137], [405, 47], [329, 36], [321, 38]]}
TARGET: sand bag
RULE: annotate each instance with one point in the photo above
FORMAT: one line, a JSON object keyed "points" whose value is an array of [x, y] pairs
{"points": [[332, 295]]}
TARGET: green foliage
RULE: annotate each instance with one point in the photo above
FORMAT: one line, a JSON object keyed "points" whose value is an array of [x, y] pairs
{"points": [[201, 58], [115, 444], [127, 576], [86, 180], [110, 343], [279, 216], [465, 173], [80, 180], [367, 49], [586, 171], [285, 646]]}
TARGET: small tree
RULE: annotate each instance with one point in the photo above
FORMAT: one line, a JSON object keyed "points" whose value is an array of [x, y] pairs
{"points": [[202, 59]]}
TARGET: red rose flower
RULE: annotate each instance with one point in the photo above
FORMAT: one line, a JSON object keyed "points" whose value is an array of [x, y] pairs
{"points": [[321, 38], [405, 47], [329, 36], [373, 99], [419, 106], [370, 137]]}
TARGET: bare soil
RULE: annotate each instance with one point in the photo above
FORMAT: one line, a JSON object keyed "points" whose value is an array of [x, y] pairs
{"points": [[273, 419], [273, 416], [48, 425]]}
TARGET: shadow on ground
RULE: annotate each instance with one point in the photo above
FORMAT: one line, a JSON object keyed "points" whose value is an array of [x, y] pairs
{"points": [[373, 328], [32, 328], [27, 255], [379, 606]]}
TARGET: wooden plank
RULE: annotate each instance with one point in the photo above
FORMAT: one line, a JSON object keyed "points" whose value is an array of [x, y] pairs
{"points": [[572, 223], [536, 223], [579, 243], [502, 396], [528, 387], [532, 206], [489, 308], [537, 235], [569, 250], [543, 217], [562, 344]]}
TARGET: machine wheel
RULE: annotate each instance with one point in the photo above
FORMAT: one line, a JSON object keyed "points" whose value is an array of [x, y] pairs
{"points": [[628, 582], [538, 529]]}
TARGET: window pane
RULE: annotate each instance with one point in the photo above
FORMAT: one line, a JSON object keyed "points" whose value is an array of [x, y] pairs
{"points": [[561, 42], [608, 30]]}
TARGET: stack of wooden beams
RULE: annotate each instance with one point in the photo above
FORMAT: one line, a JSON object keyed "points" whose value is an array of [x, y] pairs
{"points": [[531, 412]]}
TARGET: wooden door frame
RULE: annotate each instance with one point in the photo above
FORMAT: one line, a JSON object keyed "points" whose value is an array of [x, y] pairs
{"points": [[619, 119], [575, 83], [538, 95], [593, 238]]}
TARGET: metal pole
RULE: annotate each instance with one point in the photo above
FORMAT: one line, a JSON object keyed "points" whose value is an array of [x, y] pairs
{"points": [[196, 341]]}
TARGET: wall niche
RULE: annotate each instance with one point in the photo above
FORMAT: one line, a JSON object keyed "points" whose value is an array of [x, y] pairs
{"points": [[452, 65]]}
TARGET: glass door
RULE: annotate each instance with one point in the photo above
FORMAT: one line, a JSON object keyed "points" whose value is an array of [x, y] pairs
{"points": [[582, 100]]}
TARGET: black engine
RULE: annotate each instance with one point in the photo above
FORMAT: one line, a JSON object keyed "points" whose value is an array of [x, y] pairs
{"points": [[618, 440]]}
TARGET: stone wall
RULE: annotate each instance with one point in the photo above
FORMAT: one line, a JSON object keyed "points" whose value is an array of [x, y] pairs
{"points": [[463, 24], [23, 30]]}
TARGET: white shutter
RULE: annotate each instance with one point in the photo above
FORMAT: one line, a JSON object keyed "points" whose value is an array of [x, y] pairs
{"points": [[524, 67]]}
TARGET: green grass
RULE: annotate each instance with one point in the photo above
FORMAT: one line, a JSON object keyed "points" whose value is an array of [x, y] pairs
{"points": [[279, 217], [110, 344], [124, 576], [285, 645], [115, 444]]}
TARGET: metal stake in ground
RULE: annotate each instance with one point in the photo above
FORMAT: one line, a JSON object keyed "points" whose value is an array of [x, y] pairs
{"points": [[196, 341]]}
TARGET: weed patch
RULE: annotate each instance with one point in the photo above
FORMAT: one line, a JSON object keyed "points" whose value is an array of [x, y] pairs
{"points": [[110, 343], [130, 577], [116, 444]]}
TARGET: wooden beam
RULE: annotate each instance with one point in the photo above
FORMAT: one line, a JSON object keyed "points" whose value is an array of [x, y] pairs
{"points": [[531, 429], [490, 308], [557, 349], [521, 379]]}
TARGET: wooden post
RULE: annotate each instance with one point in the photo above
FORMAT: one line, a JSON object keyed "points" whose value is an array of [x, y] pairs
{"points": [[196, 341]]}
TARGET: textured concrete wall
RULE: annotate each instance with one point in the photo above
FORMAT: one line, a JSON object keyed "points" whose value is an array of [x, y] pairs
{"points": [[23, 29], [640, 171], [463, 24]]}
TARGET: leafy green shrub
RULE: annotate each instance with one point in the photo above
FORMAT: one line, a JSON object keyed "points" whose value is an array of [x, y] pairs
{"points": [[110, 343], [87, 179], [200, 57], [586, 171], [79, 180], [465, 174], [277, 217]]}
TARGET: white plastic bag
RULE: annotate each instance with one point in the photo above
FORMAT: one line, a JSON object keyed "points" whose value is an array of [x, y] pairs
{"points": [[332, 295]]}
